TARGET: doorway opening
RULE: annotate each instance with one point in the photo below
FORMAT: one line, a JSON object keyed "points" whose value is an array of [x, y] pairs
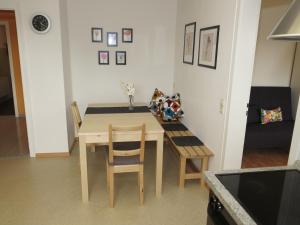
{"points": [[13, 130], [274, 94], [6, 91]]}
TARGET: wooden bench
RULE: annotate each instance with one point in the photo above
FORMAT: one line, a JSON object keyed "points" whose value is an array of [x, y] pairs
{"points": [[192, 150]]}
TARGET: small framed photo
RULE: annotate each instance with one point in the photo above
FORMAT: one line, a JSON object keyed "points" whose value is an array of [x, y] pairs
{"points": [[112, 39], [97, 34], [127, 35], [120, 58], [103, 57], [208, 47]]}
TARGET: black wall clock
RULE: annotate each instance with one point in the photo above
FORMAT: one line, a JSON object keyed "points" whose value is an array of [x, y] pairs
{"points": [[41, 23]]}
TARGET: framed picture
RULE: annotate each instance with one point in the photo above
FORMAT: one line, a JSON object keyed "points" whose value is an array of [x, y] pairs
{"points": [[208, 47], [127, 35], [120, 58], [97, 34], [112, 39], [189, 43], [103, 57]]}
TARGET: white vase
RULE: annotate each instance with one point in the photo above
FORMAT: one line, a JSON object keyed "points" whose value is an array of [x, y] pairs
{"points": [[131, 106]]}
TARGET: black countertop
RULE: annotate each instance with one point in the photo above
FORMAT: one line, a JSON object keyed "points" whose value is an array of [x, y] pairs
{"points": [[264, 196], [269, 197]]}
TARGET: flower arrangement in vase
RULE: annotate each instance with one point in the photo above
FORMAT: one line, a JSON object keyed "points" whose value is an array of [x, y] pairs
{"points": [[130, 91]]}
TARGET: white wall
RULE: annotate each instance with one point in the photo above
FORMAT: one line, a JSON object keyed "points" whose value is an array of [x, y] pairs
{"points": [[295, 145], [150, 63], [201, 88], [295, 82], [67, 70], [48, 60], [42, 76], [44, 58], [295, 86], [240, 79], [274, 59], [150, 58]]}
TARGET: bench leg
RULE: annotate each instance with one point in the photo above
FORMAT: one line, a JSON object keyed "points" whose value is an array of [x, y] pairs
{"points": [[111, 187], [182, 168], [204, 168], [107, 175]]}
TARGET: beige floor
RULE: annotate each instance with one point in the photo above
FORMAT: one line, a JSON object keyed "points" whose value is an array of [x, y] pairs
{"points": [[47, 191], [13, 137]]}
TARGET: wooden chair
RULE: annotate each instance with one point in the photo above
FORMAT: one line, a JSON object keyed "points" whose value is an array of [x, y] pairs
{"points": [[123, 159], [76, 117], [77, 122]]}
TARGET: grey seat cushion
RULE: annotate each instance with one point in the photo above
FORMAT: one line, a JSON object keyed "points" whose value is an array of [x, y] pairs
{"points": [[174, 127], [126, 160], [127, 145], [187, 141]]}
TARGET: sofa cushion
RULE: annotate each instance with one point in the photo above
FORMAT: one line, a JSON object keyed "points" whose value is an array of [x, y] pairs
{"points": [[269, 98], [271, 135]]}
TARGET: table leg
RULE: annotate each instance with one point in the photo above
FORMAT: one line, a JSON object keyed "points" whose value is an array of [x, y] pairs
{"points": [[159, 164], [83, 169], [204, 167]]}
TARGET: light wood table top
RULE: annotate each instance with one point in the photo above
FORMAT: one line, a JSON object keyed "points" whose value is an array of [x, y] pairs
{"points": [[94, 124], [118, 104]]}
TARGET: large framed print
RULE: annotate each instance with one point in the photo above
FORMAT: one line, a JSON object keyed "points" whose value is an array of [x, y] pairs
{"points": [[189, 43], [208, 47]]}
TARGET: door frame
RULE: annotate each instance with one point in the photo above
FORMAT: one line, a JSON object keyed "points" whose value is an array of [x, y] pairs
{"points": [[21, 32], [241, 73], [234, 134], [294, 154], [11, 66]]}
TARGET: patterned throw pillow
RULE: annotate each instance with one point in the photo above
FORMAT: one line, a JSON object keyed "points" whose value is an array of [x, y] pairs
{"points": [[169, 108], [157, 101], [269, 116], [172, 108]]}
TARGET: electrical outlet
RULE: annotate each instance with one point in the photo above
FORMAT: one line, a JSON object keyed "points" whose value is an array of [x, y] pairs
{"points": [[221, 107]]}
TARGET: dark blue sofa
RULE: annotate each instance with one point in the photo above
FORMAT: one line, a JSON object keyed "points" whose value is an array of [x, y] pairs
{"points": [[272, 135]]}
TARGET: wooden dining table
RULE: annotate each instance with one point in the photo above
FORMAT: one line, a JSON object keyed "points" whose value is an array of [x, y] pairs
{"points": [[94, 130]]}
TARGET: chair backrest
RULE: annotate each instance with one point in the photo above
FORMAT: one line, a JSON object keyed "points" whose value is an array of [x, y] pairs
{"points": [[139, 130], [76, 117]]}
